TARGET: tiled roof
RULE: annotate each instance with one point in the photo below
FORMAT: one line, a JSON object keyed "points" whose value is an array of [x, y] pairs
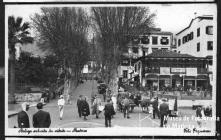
{"points": [[168, 54]]}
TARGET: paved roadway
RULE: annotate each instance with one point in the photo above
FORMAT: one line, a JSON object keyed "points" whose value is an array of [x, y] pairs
{"points": [[71, 119]]}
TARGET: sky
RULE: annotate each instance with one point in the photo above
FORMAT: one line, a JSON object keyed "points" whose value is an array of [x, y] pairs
{"points": [[170, 17]]}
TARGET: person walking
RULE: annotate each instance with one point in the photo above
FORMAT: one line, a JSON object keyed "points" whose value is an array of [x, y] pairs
{"points": [[23, 119], [126, 107], [79, 105], [155, 108], [69, 99], [114, 101], [96, 105], [61, 103], [164, 108], [199, 115], [85, 108], [108, 113], [41, 119]]}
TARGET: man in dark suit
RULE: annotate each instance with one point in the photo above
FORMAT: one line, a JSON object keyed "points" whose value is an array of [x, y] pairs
{"points": [[23, 119], [41, 119], [155, 108], [164, 108], [108, 113], [79, 105]]}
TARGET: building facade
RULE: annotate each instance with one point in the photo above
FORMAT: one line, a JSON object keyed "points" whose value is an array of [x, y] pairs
{"points": [[140, 46], [167, 69], [197, 39]]}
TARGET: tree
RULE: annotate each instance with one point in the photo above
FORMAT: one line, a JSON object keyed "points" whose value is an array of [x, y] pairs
{"points": [[115, 25], [18, 32], [36, 71], [63, 31]]}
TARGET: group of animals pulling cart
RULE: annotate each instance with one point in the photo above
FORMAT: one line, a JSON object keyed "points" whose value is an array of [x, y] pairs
{"points": [[145, 101]]}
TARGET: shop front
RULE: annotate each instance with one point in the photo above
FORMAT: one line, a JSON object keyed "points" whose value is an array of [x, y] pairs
{"points": [[168, 70]]}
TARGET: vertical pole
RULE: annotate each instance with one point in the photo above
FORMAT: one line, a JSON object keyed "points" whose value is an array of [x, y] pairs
{"points": [[183, 83], [158, 80], [195, 84], [171, 81]]}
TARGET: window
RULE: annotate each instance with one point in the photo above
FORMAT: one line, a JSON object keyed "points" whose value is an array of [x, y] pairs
{"points": [[198, 47], [191, 36], [125, 73], [198, 32], [179, 42], [209, 45], [144, 53], [145, 40], [139, 64], [135, 50], [136, 40], [135, 68], [184, 40], [155, 40], [209, 30], [164, 41], [125, 62], [188, 37]]}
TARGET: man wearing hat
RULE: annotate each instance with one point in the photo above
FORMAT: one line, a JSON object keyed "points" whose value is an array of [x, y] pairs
{"points": [[155, 108], [108, 113], [23, 119], [41, 119], [79, 105], [164, 108], [61, 103]]}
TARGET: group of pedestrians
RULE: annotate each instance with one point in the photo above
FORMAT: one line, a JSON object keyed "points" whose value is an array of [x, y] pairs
{"points": [[41, 119], [97, 108], [83, 107]]}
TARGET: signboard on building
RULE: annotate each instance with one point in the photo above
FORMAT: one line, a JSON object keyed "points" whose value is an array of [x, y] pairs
{"points": [[165, 70], [178, 70], [191, 71]]}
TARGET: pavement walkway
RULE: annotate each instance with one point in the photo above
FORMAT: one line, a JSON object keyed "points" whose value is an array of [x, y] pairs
{"points": [[71, 118]]}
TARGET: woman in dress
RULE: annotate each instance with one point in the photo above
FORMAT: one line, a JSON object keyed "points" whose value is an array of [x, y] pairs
{"points": [[85, 108]]}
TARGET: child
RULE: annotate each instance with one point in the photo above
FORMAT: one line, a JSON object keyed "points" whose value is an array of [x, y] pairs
{"points": [[150, 109]]}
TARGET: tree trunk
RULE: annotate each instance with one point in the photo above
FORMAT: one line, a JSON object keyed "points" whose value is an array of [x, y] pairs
{"points": [[11, 95]]}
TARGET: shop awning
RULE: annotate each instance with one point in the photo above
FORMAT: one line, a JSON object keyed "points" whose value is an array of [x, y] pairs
{"points": [[164, 76], [202, 77], [189, 77], [151, 77]]}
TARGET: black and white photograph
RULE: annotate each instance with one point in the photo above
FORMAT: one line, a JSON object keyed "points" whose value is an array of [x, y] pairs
{"points": [[110, 69]]}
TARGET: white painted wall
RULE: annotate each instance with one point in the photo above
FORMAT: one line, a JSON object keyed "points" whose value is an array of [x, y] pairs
{"points": [[190, 47], [121, 69]]}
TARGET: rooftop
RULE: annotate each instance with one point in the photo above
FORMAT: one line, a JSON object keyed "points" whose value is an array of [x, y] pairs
{"points": [[207, 17], [168, 54]]}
